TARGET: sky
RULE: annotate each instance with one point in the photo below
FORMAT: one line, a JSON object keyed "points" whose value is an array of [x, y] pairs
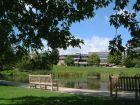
{"points": [[96, 32]]}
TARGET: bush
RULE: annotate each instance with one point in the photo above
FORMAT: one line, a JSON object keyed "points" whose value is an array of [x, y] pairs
{"points": [[8, 67], [137, 62], [128, 62], [25, 63], [69, 61], [38, 62], [115, 58], [93, 59]]}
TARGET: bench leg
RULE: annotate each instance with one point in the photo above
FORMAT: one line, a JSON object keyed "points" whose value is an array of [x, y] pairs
{"points": [[41, 86], [30, 85], [45, 87], [111, 90], [136, 95], [52, 88], [111, 93], [116, 93], [57, 88], [35, 86]]}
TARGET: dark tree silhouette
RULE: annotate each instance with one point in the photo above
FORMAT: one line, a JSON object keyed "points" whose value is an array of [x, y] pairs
{"points": [[25, 23]]}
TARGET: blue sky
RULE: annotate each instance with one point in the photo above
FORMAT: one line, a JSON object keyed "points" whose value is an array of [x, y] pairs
{"points": [[96, 32], [98, 25]]}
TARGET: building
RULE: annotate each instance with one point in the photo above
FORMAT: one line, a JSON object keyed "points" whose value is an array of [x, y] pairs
{"points": [[81, 59]]}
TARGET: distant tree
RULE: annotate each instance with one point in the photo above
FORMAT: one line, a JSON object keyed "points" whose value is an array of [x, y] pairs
{"points": [[69, 61], [128, 62], [39, 61], [116, 50], [93, 59], [24, 63], [115, 45], [42, 61], [137, 62], [115, 58], [54, 56]]}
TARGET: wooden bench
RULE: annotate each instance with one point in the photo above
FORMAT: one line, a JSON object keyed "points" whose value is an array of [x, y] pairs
{"points": [[124, 83], [43, 81]]}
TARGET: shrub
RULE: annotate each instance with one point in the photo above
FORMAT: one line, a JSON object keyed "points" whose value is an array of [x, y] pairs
{"points": [[137, 62], [69, 61], [24, 63], [128, 62], [93, 59], [115, 58], [8, 67], [40, 61]]}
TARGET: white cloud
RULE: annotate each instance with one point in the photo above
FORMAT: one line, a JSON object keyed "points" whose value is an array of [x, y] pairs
{"points": [[93, 44], [106, 19]]}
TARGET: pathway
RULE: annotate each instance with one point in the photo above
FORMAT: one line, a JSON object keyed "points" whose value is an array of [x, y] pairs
{"points": [[96, 93]]}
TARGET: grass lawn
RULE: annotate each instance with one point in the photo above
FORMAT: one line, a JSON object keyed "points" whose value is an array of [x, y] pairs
{"points": [[21, 96]]}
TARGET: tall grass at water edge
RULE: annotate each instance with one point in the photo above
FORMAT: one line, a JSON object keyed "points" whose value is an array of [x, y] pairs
{"points": [[104, 72], [72, 72]]}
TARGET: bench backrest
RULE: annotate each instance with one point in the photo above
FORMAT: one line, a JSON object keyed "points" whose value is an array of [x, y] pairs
{"points": [[46, 78], [125, 83], [41, 78], [34, 78]]}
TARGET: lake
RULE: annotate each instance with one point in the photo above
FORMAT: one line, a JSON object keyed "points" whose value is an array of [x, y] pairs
{"points": [[93, 82]]}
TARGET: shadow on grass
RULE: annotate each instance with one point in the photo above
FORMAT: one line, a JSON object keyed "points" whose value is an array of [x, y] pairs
{"points": [[68, 100]]}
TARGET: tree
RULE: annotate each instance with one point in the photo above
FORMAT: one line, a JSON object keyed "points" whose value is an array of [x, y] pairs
{"points": [[128, 19], [69, 61], [27, 22], [128, 62], [115, 58], [25, 63], [93, 59], [39, 61], [115, 45], [54, 56], [137, 62], [116, 50], [9, 56]]}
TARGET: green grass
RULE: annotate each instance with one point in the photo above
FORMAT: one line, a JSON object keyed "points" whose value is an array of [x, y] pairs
{"points": [[21, 96]]}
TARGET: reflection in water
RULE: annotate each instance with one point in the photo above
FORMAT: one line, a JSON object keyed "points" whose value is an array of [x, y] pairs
{"points": [[93, 84], [104, 86]]}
